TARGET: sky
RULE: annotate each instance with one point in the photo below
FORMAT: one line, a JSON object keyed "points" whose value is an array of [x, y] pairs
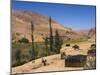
{"points": [[77, 17]]}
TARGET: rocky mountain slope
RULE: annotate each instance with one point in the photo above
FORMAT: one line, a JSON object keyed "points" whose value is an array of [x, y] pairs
{"points": [[21, 27]]}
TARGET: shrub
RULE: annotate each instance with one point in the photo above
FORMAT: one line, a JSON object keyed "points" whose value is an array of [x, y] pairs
{"points": [[93, 45], [67, 45], [23, 40], [63, 55], [18, 56], [92, 50], [76, 47]]}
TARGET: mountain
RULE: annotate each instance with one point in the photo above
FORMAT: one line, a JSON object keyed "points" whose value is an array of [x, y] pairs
{"points": [[21, 25], [92, 34]]}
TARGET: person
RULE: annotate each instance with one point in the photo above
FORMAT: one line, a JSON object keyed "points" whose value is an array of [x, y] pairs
{"points": [[44, 61]]}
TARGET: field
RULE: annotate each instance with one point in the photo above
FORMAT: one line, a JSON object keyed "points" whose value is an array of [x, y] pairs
{"points": [[25, 52], [54, 62]]}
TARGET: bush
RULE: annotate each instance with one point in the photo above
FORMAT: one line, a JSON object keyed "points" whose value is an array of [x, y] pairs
{"points": [[63, 55], [18, 56], [76, 47], [67, 45], [93, 45], [23, 40], [92, 50]]}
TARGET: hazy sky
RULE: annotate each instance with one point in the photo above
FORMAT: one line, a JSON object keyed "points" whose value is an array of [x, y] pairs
{"points": [[76, 17]]}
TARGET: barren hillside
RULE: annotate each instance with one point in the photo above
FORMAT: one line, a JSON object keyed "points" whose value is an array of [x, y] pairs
{"points": [[21, 24]]}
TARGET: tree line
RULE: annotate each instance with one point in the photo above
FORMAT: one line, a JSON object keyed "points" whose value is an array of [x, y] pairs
{"points": [[52, 43]]}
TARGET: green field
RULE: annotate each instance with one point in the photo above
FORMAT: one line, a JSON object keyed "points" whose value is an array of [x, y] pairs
{"points": [[25, 52]]}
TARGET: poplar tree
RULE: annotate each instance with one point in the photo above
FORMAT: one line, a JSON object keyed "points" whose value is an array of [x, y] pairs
{"points": [[51, 35], [32, 38], [46, 46], [57, 42]]}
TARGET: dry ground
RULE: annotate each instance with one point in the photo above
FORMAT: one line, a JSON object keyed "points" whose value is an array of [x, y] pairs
{"points": [[54, 63]]}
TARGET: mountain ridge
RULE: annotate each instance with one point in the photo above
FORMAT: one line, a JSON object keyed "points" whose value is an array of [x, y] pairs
{"points": [[21, 24]]}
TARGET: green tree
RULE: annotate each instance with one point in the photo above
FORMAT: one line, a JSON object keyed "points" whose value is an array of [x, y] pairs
{"points": [[32, 38], [51, 35], [46, 46], [57, 42], [23, 40], [18, 56]]}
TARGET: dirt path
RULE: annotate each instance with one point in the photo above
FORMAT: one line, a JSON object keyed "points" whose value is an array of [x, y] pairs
{"points": [[54, 63]]}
